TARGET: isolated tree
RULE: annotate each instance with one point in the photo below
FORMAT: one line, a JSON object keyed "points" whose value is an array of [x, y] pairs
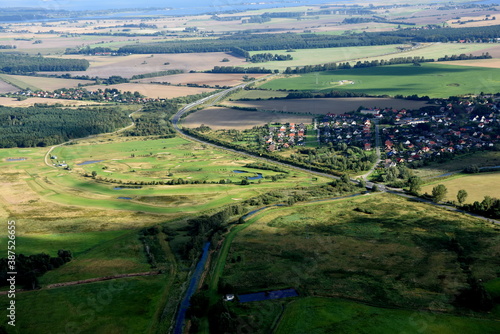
{"points": [[461, 196], [438, 193], [415, 184], [94, 174]]}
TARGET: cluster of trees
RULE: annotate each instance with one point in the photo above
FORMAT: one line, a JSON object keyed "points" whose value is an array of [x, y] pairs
{"points": [[29, 268], [465, 57], [18, 64], [45, 126], [339, 157], [331, 162], [285, 41], [488, 207], [7, 47], [153, 120], [238, 69], [155, 74], [263, 57]]}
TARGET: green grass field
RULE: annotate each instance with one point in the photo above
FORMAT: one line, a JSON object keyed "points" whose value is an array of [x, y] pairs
{"points": [[302, 57], [78, 243], [322, 315], [434, 80], [118, 306], [381, 249], [480, 159], [476, 185]]}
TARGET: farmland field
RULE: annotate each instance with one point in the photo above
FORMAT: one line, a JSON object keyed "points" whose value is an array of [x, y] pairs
{"points": [[480, 159], [322, 106], [434, 80], [211, 79], [127, 66], [476, 185], [226, 118], [40, 83], [154, 91], [7, 88]]}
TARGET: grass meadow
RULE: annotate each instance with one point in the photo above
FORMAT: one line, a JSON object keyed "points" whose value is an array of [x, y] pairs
{"points": [[126, 305], [323, 315], [480, 159], [433, 80], [380, 249], [476, 185]]}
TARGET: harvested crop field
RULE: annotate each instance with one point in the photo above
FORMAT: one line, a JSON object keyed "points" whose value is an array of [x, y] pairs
{"points": [[127, 66], [325, 105], [211, 79], [155, 91], [7, 88], [491, 63], [225, 118], [13, 102]]}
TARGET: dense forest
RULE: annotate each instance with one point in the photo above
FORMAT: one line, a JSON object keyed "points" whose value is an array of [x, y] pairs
{"points": [[44, 126], [19, 64], [260, 42]]}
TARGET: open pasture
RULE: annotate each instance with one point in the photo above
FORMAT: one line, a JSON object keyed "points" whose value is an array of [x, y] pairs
{"points": [[127, 305], [225, 118], [322, 106], [40, 83], [320, 315], [480, 159], [211, 79], [154, 91], [381, 249], [437, 50], [433, 80], [119, 255], [303, 57], [476, 185]]}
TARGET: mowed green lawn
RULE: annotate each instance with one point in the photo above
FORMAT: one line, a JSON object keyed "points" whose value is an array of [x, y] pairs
{"points": [[433, 80], [314, 315]]}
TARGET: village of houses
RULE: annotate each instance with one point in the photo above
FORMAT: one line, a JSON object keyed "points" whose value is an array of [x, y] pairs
{"points": [[405, 136]]}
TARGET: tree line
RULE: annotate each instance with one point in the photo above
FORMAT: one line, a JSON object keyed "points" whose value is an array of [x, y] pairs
{"points": [[19, 64], [261, 42]]}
